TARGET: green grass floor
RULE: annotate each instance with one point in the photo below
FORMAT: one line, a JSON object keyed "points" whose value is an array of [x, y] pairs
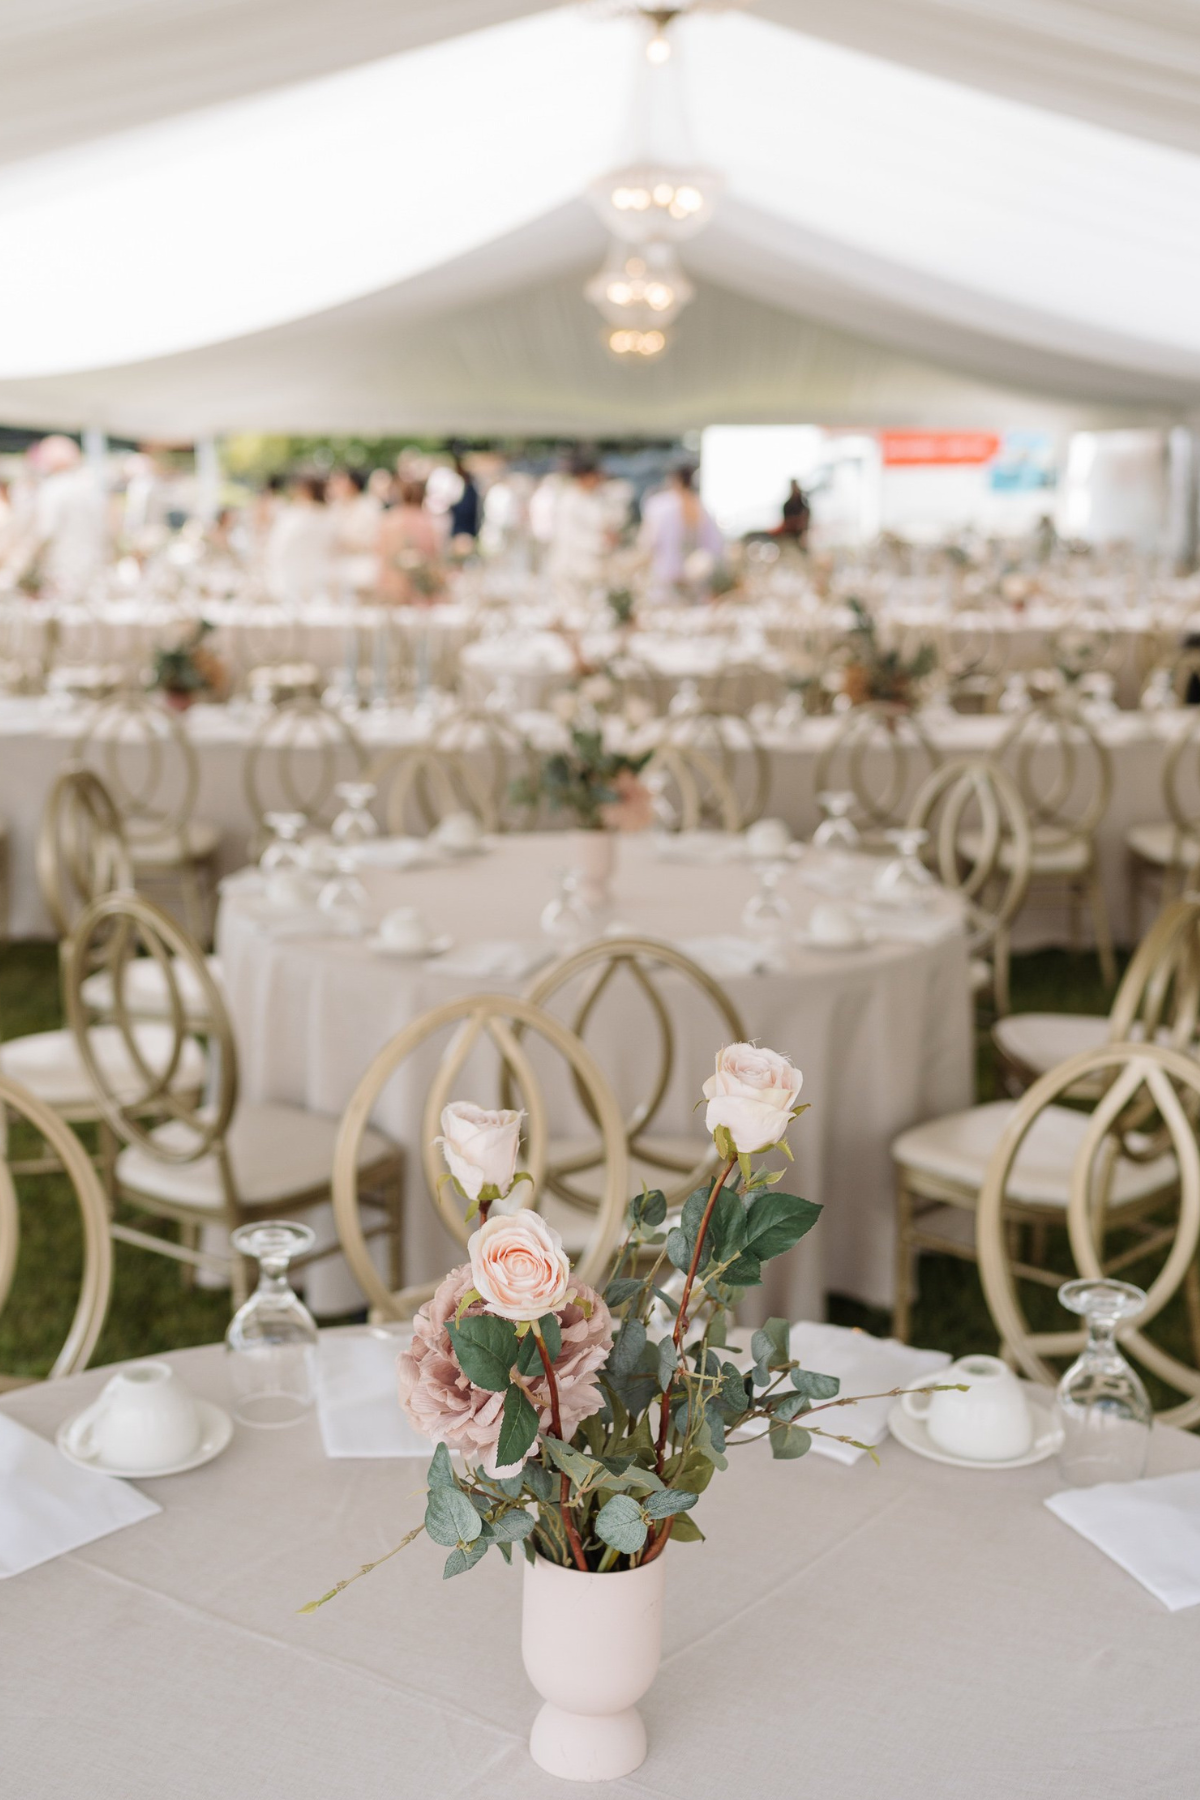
{"points": [[152, 1311]]}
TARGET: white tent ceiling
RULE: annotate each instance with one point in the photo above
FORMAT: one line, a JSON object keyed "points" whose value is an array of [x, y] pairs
{"points": [[401, 245]]}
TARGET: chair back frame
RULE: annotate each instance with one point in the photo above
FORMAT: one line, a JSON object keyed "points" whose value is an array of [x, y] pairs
{"points": [[878, 726]]}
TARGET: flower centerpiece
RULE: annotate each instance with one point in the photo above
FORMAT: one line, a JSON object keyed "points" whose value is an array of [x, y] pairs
{"points": [[590, 1423], [602, 789], [875, 673], [188, 670]]}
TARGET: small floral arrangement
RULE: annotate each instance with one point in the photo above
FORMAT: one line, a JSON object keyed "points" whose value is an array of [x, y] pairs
{"points": [[590, 1424], [189, 671], [622, 604], [601, 787], [873, 673]]}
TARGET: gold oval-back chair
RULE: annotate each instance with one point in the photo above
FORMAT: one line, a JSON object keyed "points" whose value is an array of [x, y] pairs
{"points": [[18, 1105], [81, 850], [1158, 1001], [640, 968], [1167, 849], [294, 762], [1148, 1111], [971, 801], [420, 785], [730, 741], [512, 1030], [194, 1153], [142, 753], [690, 790], [972, 656], [1064, 775], [879, 752]]}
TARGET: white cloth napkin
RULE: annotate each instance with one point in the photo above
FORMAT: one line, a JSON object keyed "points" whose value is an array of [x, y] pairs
{"points": [[932, 927], [1150, 1528], [357, 1405], [701, 847], [496, 960], [727, 955], [398, 853], [49, 1505], [863, 1365]]}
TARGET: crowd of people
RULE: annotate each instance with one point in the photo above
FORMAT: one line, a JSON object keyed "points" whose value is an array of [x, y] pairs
{"points": [[386, 534]]}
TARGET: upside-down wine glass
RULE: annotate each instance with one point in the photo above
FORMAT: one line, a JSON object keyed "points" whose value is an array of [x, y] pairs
{"points": [[344, 900], [283, 850], [837, 830], [272, 1339], [354, 824], [766, 915], [1105, 1411], [905, 879]]}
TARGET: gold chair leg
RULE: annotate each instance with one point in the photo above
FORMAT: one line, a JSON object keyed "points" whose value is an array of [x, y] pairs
{"points": [[902, 1300], [1104, 944], [1191, 1295]]}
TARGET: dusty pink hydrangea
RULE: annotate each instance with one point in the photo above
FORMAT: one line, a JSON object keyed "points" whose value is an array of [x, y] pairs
{"points": [[440, 1402]]}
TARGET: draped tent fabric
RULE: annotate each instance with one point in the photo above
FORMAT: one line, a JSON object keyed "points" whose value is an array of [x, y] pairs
{"points": [[402, 244]]}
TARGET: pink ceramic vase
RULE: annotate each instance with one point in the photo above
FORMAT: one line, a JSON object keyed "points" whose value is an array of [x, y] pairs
{"points": [[594, 854], [591, 1646]]}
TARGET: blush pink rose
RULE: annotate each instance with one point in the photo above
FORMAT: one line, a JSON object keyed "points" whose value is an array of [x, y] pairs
{"points": [[480, 1147], [752, 1094], [440, 1402], [519, 1266]]}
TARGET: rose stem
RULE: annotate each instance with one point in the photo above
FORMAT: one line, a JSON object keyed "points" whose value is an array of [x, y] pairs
{"points": [[681, 1317], [564, 1504]]}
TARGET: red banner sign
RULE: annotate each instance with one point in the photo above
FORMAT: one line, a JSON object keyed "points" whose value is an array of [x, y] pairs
{"points": [[912, 449]]}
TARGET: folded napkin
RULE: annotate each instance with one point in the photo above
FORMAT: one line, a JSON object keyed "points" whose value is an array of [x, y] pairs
{"points": [[398, 853], [895, 924], [49, 1505], [496, 960], [357, 1403], [1150, 1528], [703, 847], [863, 1365], [727, 955]]}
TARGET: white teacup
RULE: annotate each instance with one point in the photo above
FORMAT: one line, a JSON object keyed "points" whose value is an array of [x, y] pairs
{"points": [[833, 925], [404, 929], [144, 1419], [989, 1422], [459, 831], [289, 888], [768, 837]]}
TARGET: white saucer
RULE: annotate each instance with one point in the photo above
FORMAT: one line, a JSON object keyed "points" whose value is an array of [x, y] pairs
{"points": [[862, 942], [437, 946], [1047, 1434], [216, 1429]]}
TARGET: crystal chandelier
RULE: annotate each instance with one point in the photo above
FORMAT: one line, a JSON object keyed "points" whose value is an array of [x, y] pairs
{"points": [[643, 288], [635, 346], [647, 201]]}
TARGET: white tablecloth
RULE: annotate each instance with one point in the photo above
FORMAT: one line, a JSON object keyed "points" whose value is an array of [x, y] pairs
{"points": [[901, 1632], [883, 1035]]}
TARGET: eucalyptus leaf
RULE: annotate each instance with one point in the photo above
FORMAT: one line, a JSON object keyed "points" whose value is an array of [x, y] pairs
{"points": [[485, 1350], [622, 1289], [792, 1441], [789, 1406], [668, 1361], [775, 1221], [573, 1462], [511, 1527], [518, 1428], [679, 1250], [815, 1387], [628, 1347], [460, 1560], [620, 1524], [654, 1207], [450, 1518], [685, 1530], [539, 1480], [770, 1344], [440, 1472], [667, 1502]]}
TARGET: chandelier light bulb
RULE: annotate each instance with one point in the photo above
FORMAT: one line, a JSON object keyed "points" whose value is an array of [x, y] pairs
{"points": [[658, 49], [644, 202], [624, 342], [640, 290]]}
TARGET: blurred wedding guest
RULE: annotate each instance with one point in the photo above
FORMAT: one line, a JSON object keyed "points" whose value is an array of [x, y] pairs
{"points": [[466, 513], [70, 527], [411, 539], [683, 540], [299, 561], [585, 527], [356, 514], [797, 515], [381, 485], [148, 496]]}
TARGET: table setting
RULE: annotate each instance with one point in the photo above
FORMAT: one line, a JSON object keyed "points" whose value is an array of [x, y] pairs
{"points": [[303, 1576]]}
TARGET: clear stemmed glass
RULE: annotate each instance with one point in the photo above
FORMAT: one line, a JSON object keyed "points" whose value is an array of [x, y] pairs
{"points": [[283, 851], [905, 879], [1104, 1409], [837, 830], [354, 824], [343, 899], [273, 1337], [567, 917], [767, 915]]}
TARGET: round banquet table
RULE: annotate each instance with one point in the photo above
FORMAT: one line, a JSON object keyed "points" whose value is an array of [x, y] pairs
{"points": [[882, 1034], [907, 1631]]}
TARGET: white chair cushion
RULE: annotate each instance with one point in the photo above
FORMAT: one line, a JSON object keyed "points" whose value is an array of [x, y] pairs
{"points": [[1051, 855], [959, 1147], [275, 1153], [146, 990], [1162, 843], [1040, 1041], [981, 974], [198, 840], [49, 1065]]}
